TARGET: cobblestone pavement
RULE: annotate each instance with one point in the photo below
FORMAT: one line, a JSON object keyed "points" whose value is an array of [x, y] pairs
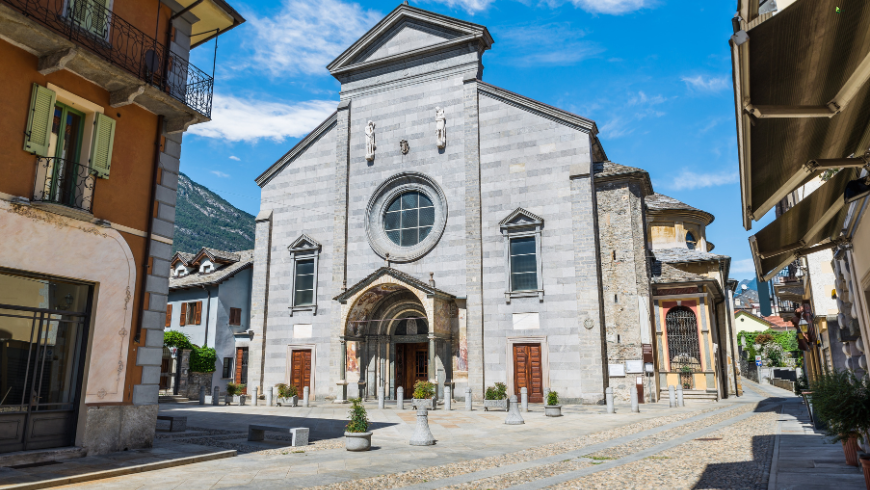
{"points": [[730, 444]]}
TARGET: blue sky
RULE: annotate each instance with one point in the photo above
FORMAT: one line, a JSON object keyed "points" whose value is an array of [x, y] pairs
{"points": [[655, 75]]}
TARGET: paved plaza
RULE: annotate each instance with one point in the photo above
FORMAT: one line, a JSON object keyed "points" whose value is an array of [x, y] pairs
{"points": [[758, 441]]}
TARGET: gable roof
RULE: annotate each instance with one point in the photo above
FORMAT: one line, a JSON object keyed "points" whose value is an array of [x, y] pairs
{"points": [[245, 260], [661, 202], [397, 274], [684, 255], [456, 32], [553, 113], [297, 149], [752, 316], [182, 257], [215, 255]]}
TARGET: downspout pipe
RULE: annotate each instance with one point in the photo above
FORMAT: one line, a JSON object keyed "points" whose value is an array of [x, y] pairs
{"points": [[137, 338], [207, 313]]}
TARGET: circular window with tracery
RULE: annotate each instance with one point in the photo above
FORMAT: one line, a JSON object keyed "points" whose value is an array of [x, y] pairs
{"points": [[409, 218]]}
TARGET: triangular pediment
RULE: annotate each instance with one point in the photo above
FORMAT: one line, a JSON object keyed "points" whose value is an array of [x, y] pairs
{"points": [[406, 280], [408, 31], [304, 243], [521, 217]]}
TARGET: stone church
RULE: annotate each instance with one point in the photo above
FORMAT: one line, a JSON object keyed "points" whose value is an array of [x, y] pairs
{"points": [[436, 227]]}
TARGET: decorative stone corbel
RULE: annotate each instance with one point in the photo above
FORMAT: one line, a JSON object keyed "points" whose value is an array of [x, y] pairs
{"points": [[125, 96], [56, 61], [179, 124]]}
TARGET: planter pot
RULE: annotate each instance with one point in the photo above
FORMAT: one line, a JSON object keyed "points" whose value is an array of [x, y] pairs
{"points": [[495, 404], [553, 410], [850, 448], [293, 401], [239, 400], [424, 402], [358, 441], [865, 465], [228, 399]]}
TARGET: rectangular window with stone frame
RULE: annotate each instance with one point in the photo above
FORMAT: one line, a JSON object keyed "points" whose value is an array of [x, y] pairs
{"points": [[304, 259], [521, 231]]}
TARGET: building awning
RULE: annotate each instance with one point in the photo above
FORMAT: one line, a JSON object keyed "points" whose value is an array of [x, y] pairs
{"points": [[801, 96], [215, 17], [815, 221]]}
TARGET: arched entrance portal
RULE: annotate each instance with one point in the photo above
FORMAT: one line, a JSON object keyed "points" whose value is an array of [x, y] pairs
{"points": [[397, 330]]}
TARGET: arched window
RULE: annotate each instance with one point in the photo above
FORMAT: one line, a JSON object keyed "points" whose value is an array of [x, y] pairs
{"points": [[683, 346], [690, 240]]}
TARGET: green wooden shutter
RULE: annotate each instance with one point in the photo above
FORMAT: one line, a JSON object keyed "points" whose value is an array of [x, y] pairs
{"points": [[104, 139], [38, 136]]}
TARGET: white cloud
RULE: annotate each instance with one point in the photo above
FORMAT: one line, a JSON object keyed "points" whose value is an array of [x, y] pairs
{"points": [[470, 6], [237, 119], [637, 106], [233, 157], [688, 179], [220, 174], [554, 44], [611, 6], [305, 36], [709, 84], [742, 266]]}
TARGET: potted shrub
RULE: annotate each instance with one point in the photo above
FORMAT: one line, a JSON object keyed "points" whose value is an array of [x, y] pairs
{"points": [[237, 392], [552, 408], [843, 401], [357, 436], [495, 397], [230, 393], [865, 465], [288, 395], [686, 377], [424, 395]]}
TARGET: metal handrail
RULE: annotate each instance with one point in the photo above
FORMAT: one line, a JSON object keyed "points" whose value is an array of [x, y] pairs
{"points": [[91, 25], [65, 182]]}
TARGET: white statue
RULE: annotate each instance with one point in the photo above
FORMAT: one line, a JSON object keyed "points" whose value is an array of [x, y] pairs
{"points": [[440, 128], [370, 141]]}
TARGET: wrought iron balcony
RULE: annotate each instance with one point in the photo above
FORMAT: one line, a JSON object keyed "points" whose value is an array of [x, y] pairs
{"points": [[64, 182], [91, 25]]}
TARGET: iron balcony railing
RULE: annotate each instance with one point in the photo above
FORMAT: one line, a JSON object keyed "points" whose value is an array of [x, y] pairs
{"points": [[64, 182], [90, 24]]}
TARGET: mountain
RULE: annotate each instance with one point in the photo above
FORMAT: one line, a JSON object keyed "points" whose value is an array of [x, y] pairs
{"points": [[205, 219]]}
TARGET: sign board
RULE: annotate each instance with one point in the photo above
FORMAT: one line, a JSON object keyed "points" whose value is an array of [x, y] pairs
{"points": [[616, 370], [647, 353], [648, 367], [634, 366], [757, 358], [758, 362]]}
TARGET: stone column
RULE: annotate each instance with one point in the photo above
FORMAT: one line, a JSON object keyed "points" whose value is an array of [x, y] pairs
{"points": [[305, 397], [447, 398], [400, 398], [524, 398], [342, 372], [361, 350], [256, 396], [608, 397], [270, 392], [431, 368], [468, 402]]}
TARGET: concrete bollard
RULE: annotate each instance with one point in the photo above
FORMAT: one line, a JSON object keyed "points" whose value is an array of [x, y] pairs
{"points": [[215, 400], [380, 397], [400, 398], [513, 416], [256, 396], [608, 397], [270, 391], [672, 401], [468, 400], [422, 435], [635, 406], [202, 395], [448, 399], [680, 401], [305, 397], [524, 398]]}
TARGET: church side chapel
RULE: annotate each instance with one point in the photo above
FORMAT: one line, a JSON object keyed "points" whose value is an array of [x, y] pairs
{"points": [[439, 228]]}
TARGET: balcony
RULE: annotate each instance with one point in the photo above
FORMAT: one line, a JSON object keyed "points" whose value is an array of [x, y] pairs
{"points": [[64, 182], [88, 39]]}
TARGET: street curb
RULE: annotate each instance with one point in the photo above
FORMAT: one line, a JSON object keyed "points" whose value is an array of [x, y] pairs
{"points": [[101, 475], [771, 481]]}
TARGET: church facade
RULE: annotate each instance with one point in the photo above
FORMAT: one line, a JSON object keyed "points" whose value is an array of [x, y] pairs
{"points": [[439, 228]]}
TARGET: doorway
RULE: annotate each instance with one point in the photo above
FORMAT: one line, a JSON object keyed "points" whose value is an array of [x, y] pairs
{"points": [[528, 371], [43, 335], [300, 370], [412, 365], [240, 376]]}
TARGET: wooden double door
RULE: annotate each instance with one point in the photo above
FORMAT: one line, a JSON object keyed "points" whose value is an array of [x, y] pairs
{"points": [[300, 370], [412, 365], [528, 371]]}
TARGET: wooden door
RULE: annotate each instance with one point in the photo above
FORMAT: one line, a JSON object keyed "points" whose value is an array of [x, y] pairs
{"points": [[413, 365], [241, 374], [528, 371], [300, 375]]}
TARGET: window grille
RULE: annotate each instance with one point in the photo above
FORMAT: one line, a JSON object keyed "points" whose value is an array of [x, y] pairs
{"points": [[409, 219], [683, 346], [228, 367]]}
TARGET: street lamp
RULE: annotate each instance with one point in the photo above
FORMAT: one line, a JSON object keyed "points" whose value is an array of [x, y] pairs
{"points": [[803, 325]]}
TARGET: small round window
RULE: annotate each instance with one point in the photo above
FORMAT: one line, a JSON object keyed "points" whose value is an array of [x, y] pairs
{"points": [[409, 218]]}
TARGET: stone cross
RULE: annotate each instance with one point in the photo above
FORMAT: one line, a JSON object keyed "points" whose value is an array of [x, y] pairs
{"points": [[608, 397], [422, 435], [468, 400], [513, 416], [524, 398]]}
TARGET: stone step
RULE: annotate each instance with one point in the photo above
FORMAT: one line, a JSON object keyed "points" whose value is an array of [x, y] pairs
{"points": [[172, 399]]}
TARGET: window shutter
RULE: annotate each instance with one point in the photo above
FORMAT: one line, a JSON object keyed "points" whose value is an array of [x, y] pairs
{"points": [[183, 321], [198, 312], [104, 139], [168, 316], [38, 136]]}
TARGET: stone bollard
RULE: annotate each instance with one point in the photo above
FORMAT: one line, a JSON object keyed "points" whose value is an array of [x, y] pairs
{"points": [[608, 397], [635, 406], [380, 397], [305, 397], [672, 401], [422, 435], [400, 398], [215, 400], [468, 400], [202, 395], [513, 416], [448, 399], [524, 398], [256, 396], [680, 401], [270, 391]]}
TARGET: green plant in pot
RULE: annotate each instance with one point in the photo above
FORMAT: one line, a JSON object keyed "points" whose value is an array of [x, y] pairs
{"points": [[235, 393], [424, 395], [495, 397], [686, 377], [357, 436], [843, 401], [288, 395], [552, 408]]}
